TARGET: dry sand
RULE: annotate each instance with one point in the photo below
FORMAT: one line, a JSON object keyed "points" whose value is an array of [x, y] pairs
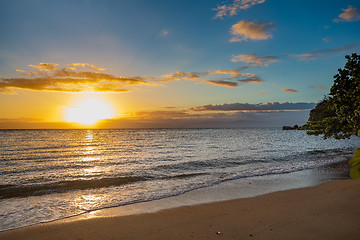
{"points": [[327, 211]]}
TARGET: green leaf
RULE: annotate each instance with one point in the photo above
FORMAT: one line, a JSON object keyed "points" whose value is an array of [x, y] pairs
{"points": [[357, 152], [355, 172], [353, 161]]}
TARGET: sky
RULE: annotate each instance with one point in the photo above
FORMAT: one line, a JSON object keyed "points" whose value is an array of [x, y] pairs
{"points": [[161, 63]]}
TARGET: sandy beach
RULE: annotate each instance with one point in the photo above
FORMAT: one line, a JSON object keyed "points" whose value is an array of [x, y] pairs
{"points": [[326, 211]]}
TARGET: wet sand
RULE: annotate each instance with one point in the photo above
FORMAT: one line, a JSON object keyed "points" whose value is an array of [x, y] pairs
{"points": [[326, 211]]}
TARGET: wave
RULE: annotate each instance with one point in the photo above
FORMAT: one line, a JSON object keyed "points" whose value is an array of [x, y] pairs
{"points": [[13, 191]]}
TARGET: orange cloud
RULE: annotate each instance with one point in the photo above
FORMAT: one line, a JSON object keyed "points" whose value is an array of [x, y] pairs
{"points": [[45, 66], [289, 90], [67, 80], [245, 30], [234, 8], [319, 87], [254, 59], [233, 72], [180, 75], [350, 14], [226, 82], [86, 65]]}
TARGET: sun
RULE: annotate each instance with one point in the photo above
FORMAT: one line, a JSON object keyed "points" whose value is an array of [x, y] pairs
{"points": [[88, 111]]}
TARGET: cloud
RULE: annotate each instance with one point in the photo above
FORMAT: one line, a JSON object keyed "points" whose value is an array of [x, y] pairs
{"points": [[235, 7], [245, 30], [222, 83], [350, 14], [289, 90], [254, 79], [235, 76], [269, 106], [86, 65], [180, 75], [319, 87], [315, 54], [254, 59], [164, 33], [326, 39], [84, 77], [67, 80], [232, 72], [45, 66]]}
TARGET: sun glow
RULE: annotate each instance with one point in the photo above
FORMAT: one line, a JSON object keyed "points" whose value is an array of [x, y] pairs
{"points": [[88, 111]]}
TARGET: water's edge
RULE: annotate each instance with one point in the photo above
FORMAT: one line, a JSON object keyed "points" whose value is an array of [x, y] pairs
{"points": [[230, 189]]}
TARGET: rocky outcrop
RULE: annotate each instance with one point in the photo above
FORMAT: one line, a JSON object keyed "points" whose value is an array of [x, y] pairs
{"points": [[295, 127]]}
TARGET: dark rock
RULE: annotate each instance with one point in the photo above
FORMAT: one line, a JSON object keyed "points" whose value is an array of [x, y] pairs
{"points": [[295, 127]]}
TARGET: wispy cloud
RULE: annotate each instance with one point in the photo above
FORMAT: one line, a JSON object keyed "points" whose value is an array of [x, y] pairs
{"points": [[49, 78], [245, 30], [326, 39], [83, 65], [235, 7], [85, 77], [232, 72], [319, 87], [45, 66], [180, 75], [269, 106], [234, 76], [222, 83], [253, 79], [315, 54], [349, 14], [164, 33], [289, 90], [254, 59]]}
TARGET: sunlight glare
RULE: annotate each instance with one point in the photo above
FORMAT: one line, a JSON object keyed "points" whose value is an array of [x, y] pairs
{"points": [[88, 111]]}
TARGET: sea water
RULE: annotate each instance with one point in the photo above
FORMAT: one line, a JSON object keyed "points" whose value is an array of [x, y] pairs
{"points": [[47, 175]]}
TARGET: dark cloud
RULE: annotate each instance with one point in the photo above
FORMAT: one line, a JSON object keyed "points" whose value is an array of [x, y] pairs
{"points": [[315, 54], [222, 83], [254, 79], [269, 106], [214, 119], [233, 76]]}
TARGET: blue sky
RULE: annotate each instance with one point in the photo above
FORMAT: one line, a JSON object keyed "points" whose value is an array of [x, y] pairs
{"points": [[186, 53]]}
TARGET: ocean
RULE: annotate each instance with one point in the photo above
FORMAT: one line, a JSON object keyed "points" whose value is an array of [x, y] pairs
{"points": [[47, 175]]}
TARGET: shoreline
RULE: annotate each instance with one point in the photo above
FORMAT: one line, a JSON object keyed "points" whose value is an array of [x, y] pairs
{"points": [[325, 211], [228, 190]]}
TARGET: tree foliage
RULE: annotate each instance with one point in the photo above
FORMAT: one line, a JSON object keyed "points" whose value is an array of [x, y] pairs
{"points": [[322, 110], [338, 115]]}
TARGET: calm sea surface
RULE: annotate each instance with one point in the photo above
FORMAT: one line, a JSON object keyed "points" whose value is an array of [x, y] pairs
{"points": [[51, 174]]}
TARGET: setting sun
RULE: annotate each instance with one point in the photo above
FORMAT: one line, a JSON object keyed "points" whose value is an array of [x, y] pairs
{"points": [[88, 111]]}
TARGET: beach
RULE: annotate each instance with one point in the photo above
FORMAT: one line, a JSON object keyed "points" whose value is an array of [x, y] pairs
{"points": [[326, 211]]}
